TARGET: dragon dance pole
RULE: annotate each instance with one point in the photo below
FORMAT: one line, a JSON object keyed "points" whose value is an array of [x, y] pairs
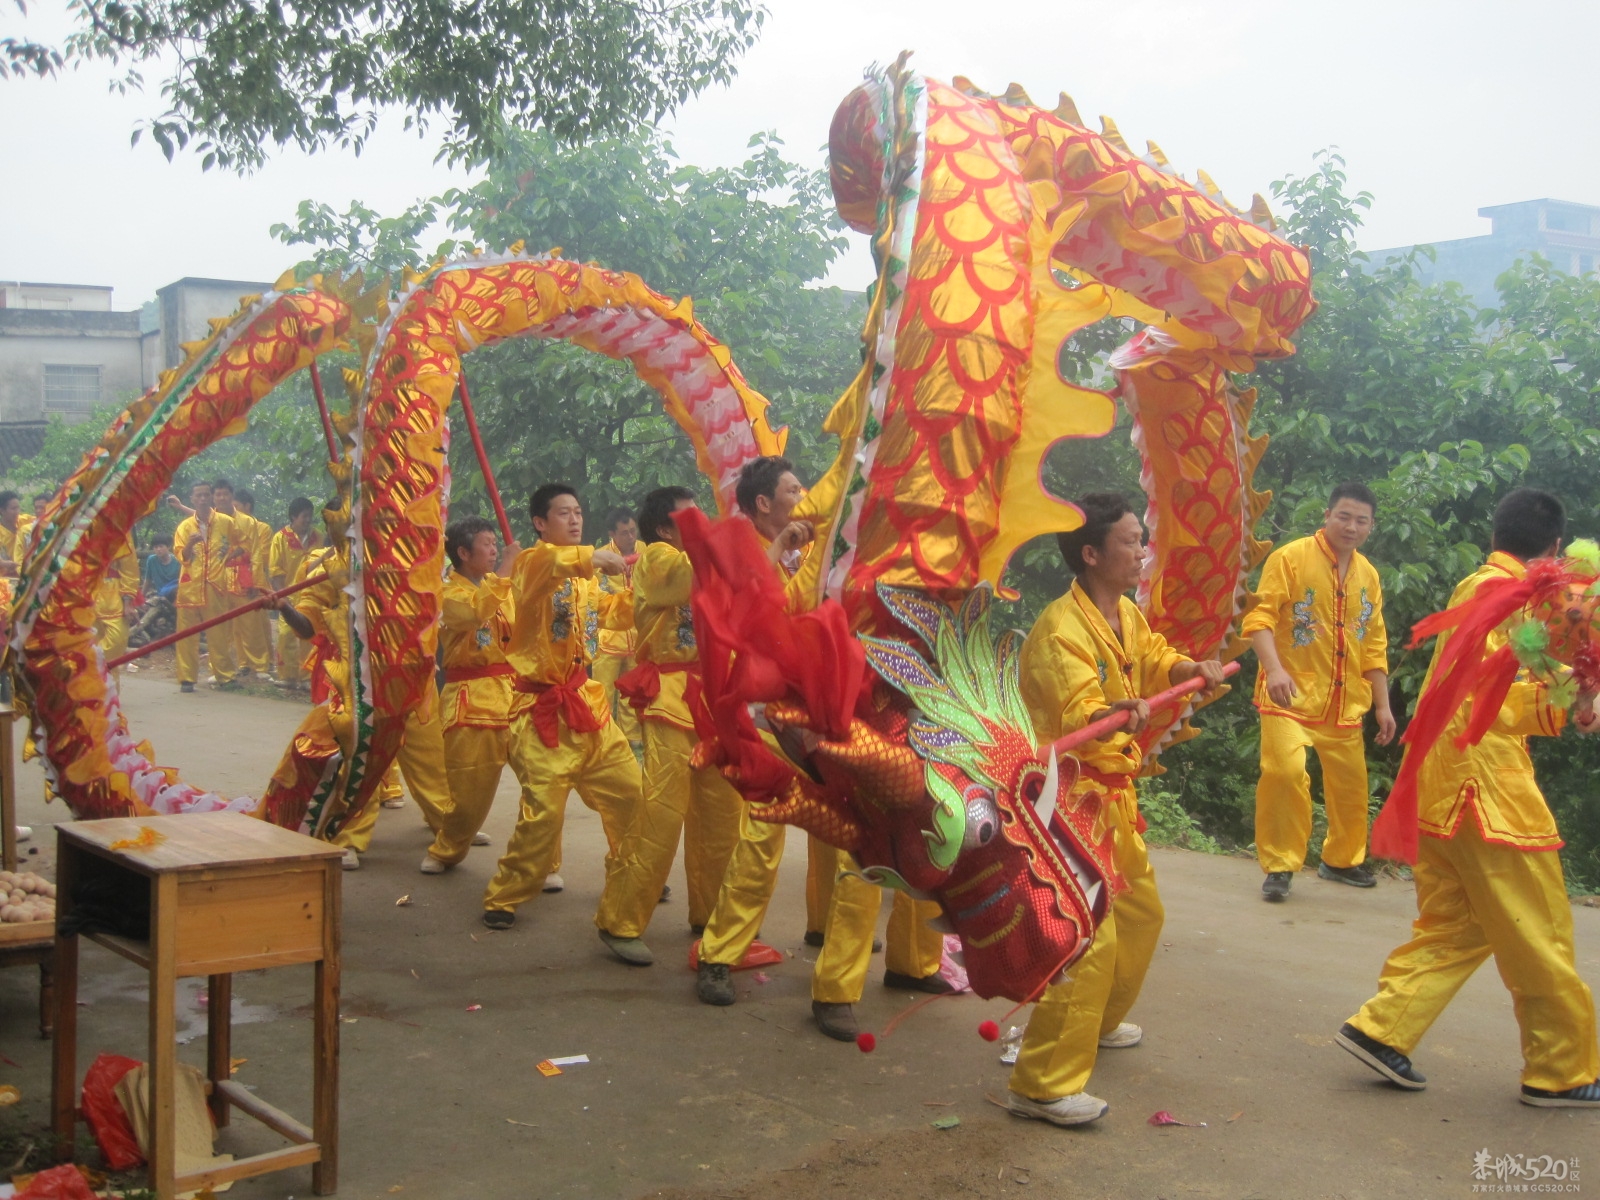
{"points": [[322, 407], [1116, 720], [483, 458], [251, 606]]}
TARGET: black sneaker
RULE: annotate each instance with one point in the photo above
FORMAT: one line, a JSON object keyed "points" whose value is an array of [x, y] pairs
{"points": [[499, 918], [666, 893], [1276, 885], [1356, 876], [697, 930], [838, 1021], [1587, 1096], [814, 937], [186, 687], [935, 984], [714, 985], [1385, 1060]]}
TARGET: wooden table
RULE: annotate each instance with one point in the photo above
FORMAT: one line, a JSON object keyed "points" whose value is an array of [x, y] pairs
{"points": [[34, 942], [227, 893]]}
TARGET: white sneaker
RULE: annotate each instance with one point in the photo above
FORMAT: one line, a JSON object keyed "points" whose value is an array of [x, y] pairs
{"points": [[24, 832], [482, 839], [1078, 1109], [554, 883], [397, 802], [351, 860], [1124, 1035], [432, 866]]}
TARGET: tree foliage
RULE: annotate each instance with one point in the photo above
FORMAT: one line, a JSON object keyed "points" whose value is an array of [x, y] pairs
{"points": [[242, 77]]}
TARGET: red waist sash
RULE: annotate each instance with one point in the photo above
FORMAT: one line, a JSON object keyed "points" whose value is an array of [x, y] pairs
{"points": [[557, 700]]}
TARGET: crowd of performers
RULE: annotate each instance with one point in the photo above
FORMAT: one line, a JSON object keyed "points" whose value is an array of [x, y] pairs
{"points": [[573, 664]]}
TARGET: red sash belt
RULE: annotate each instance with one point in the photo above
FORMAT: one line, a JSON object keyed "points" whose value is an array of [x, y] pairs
{"points": [[643, 684], [557, 700], [468, 674]]}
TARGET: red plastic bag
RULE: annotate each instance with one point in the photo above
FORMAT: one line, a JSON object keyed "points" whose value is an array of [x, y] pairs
{"points": [[58, 1183], [103, 1111]]}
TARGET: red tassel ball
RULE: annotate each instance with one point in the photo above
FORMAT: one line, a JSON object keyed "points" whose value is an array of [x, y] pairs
{"points": [[866, 1043], [989, 1031]]}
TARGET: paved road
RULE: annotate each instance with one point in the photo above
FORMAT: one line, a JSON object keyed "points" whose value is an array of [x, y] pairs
{"points": [[679, 1099]]}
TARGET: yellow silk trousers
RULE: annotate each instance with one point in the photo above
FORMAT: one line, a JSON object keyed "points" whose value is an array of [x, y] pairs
{"points": [[1475, 899], [747, 888], [701, 807], [1058, 1051], [912, 947], [251, 642], [607, 668], [421, 761], [112, 633], [473, 760], [822, 868], [219, 641], [1283, 794], [601, 768], [292, 653]]}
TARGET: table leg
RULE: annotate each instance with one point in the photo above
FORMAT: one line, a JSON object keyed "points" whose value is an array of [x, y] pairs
{"points": [[47, 998], [325, 1045], [219, 1041], [163, 1034], [64, 1054]]}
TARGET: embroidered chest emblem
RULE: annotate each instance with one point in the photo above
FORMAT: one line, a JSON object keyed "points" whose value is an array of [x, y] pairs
{"points": [[1364, 619], [561, 612], [485, 638], [1305, 623], [1100, 666], [685, 630]]}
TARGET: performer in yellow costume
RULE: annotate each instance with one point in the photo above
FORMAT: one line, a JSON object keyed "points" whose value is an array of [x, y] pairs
{"points": [[562, 736], [203, 543], [1089, 654], [14, 530], [1488, 874], [698, 805], [615, 657], [321, 613], [114, 603], [288, 549], [767, 492], [1317, 629], [475, 706], [247, 576]]}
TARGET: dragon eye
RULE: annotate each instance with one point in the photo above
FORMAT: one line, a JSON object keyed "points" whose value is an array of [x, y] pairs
{"points": [[983, 818]]}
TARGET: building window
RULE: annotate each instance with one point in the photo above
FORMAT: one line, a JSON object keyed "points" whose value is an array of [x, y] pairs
{"points": [[71, 387]]}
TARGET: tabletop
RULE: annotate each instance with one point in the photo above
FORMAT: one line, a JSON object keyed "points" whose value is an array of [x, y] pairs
{"points": [[194, 841]]}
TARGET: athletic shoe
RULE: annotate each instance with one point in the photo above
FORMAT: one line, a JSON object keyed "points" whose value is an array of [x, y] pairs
{"points": [[1077, 1109], [666, 893], [1276, 886], [554, 883], [632, 950], [186, 687], [24, 832], [697, 930], [1385, 1060], [351, 860], [1356, 876], [838, 1021], [226, 685], [432, 866], [482, 839], [935, 984], [1587, 1096], [499, 918], [397, 802], [1123, 1036], [713, 985], [814, 938]]}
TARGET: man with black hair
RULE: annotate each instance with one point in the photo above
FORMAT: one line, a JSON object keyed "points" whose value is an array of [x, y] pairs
{"points": [[1488, 871], [40, 503], [1317, 629], [14, 530], [700, 806], [562, 736], [288, 549], [203, 542], [615, 655], [475, 706], [1091, 654]]}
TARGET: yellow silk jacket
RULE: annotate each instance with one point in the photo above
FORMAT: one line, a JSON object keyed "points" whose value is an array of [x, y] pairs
{"points": [[204, 570], [1329, 632], [475, 630], [255, 538], [13, 543], [1073, 666], [122, 580], [285, 554], [662, 581], [1493, 781], [617, 633], [556, 626]]}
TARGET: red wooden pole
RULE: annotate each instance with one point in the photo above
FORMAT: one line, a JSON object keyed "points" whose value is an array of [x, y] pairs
{"points": [[250, 606], [483, 457], [1116, 720], [327, 421]]}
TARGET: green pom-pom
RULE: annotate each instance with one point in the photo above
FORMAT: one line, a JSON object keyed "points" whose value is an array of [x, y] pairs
{"points": [[1565, 693], [1586, 553], [1528, 641]]}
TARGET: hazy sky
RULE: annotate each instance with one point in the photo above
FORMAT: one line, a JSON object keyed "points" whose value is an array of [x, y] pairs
{"points": [[1439, 109]]}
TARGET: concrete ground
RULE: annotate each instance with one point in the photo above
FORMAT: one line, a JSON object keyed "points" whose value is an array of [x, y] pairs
{"points": [[444, 1022]]}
